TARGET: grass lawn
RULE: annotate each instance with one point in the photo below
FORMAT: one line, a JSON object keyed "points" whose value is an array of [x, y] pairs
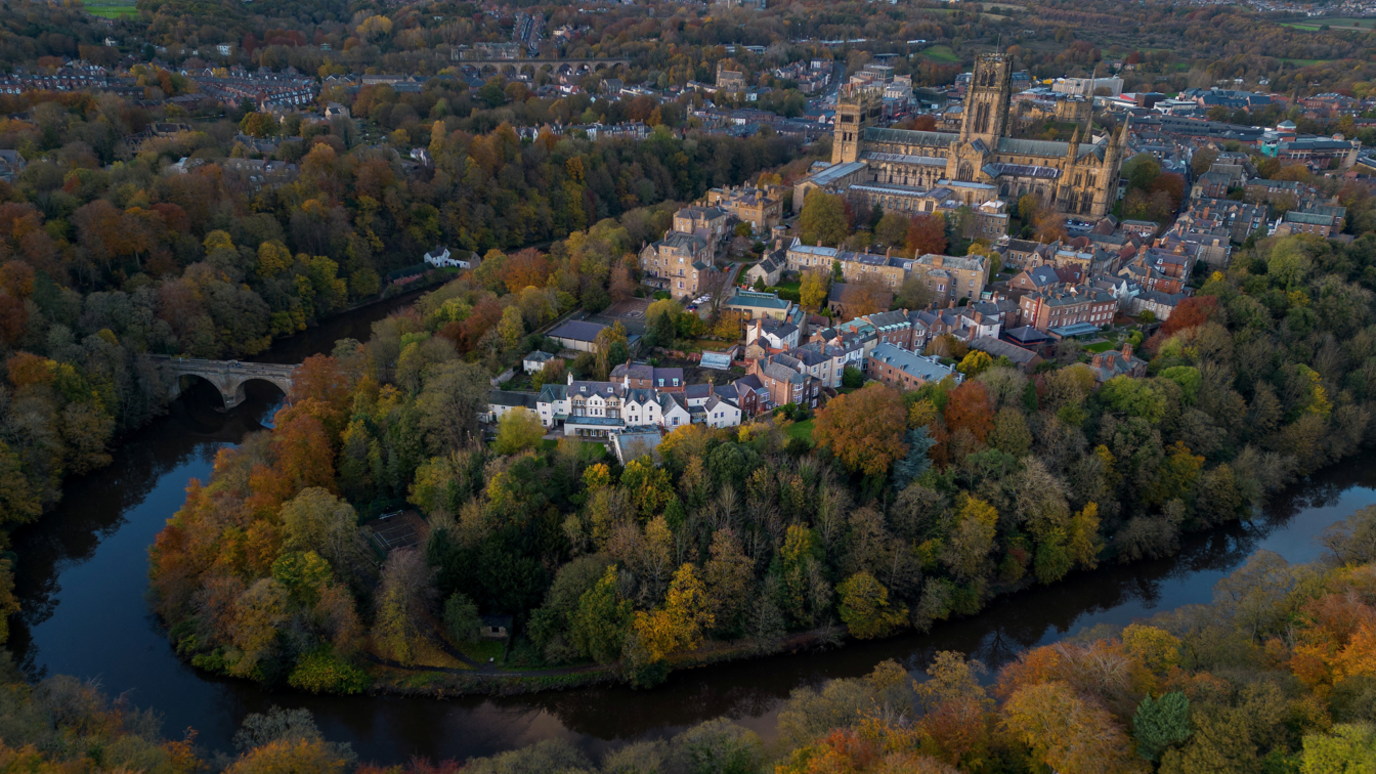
{"points": [[589, 451], [940, 54], [802, 430], [1102, 346], [795, 286], [111, 9], [483, 650], [1334, 24]]}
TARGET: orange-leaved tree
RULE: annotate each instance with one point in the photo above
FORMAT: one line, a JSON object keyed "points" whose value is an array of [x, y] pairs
{"points": [[864, 429]]}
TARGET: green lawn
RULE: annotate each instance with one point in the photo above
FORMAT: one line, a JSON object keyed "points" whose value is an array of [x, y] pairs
{"points": [[482, 650], [589, 451], [1102, 346], [111, 9], [1334, 24], [940, 54], [802, 430]]}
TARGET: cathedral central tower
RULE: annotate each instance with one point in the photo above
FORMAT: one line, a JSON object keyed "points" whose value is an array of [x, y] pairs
{"points": [[985, 115]]}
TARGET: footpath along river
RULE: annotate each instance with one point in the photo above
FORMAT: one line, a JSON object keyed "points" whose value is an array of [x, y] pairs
{"points": [[83, 568]]}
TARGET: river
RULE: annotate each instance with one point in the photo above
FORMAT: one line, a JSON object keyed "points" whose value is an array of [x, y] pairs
{"points": [[83, 568]]}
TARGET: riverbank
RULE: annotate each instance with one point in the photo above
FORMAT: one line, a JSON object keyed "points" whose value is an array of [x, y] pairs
{"points": [[446, 682]]}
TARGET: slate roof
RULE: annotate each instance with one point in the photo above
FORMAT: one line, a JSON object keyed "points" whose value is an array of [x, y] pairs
{"points": [[511, 398], [577, 330], [911, 137], [911, 362], [999, 348]]}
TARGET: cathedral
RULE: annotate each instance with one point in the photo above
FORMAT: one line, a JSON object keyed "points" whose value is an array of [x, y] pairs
{"points": [[893, 165]]}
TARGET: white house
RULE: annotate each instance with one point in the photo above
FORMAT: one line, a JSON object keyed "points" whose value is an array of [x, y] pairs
{"points": [[673, 411], [721, 413], [441, 258], [536, 361], [499, 402]]}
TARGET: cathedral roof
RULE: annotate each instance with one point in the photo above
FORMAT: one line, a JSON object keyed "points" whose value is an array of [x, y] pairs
{"points": [[903, 158], [1021, 170], [1045, 148], [911, 136]]}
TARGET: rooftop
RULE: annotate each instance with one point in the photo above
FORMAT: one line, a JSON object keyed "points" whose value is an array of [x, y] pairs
{"points": [[929, 369], [757, 300], [577, 330]]}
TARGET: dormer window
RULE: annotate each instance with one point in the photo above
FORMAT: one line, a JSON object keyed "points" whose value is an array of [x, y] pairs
{"points": [[582, 388]]}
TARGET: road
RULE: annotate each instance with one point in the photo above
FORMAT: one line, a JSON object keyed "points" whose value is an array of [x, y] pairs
{"points": [[838, 77]]}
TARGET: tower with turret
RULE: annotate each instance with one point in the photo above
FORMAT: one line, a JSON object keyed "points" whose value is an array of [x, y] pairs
{"points": [[857, 107], [985, 115]]}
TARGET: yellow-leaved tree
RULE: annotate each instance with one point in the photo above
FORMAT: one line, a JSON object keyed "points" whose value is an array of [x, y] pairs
{"points": [[676, 627]]}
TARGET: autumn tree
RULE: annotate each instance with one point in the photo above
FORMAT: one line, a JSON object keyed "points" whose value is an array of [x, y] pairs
{"points": [[648, 486], [517, 430], [402, 604], [316, 520], [676, 627], [602, 619], [864, 429], [823, 219], [926, 234], [1065, 732], [863, 603], [813, 288]]}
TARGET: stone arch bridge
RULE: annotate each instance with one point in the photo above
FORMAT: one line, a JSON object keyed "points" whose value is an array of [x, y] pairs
{"points": [[228, 376]]}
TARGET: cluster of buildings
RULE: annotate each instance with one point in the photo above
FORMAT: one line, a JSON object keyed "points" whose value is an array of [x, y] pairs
{"points": [[684, 261], [268, 90], [529, 31], [811, 76], [74, 75], [635, 397]]}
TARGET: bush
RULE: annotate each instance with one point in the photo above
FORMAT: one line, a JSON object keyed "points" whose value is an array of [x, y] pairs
{"points": [[851, 377], [461, 619], [320, 671]]}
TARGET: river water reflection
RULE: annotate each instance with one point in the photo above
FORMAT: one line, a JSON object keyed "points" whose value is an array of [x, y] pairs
{"points": [[82, 576]]}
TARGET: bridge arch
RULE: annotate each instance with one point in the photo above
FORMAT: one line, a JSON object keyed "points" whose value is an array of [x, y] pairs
{"points": [[228, 377]]}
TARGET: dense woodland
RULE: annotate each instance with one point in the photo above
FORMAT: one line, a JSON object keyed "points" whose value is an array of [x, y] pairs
{"points": [[1276, 674], [104, 256]]}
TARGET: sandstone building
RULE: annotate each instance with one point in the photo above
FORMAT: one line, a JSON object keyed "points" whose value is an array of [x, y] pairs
{"points": [[978, 163]]}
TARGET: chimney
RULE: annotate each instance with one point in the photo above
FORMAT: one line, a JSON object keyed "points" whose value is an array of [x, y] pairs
{"points": [[1127, 351]]}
